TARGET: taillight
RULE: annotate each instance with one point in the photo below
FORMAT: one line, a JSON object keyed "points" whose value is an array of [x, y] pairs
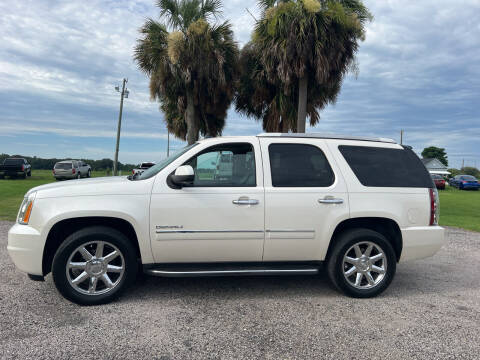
{"points": [[23, 167], [433, 207], [53, 171], [133, 172], [73, 171], [464, 182]]}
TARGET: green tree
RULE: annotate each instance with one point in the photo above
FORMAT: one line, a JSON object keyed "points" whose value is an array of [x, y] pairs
{"points": [[470, 170], [192, 68], [304, 49], [433, 152]]}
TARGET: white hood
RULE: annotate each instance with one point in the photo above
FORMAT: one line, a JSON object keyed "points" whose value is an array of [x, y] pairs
{"points": [[118, 185]]}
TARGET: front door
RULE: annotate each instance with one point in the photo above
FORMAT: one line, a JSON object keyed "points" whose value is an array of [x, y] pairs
{"points": [[305, 197], [218, 219]]}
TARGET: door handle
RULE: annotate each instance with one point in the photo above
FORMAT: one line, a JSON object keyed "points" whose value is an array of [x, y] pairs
{"points": [[330, 200], [245, 201]]}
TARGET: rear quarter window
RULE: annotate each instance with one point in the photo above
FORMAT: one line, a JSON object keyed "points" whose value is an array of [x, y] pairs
{"points": [[386, 167]]}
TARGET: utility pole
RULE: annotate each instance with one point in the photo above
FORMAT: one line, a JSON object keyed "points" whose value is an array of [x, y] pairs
{"points": [[123, 94], [401, 137], [168, 143], [463, 163]]}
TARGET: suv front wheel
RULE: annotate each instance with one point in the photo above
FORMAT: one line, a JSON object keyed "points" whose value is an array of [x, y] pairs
{"points": [[94, 265], [362, 263]]}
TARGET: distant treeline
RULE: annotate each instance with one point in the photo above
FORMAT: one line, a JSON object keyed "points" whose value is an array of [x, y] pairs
{"points": [[47, 164]]}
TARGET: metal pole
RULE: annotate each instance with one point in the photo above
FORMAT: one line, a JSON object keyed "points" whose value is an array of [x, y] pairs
{"points": [[115, 163], [401, 137], [168, 143]]}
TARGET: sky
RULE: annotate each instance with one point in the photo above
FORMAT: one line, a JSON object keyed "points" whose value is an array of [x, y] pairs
{"points": [[419, 70]]}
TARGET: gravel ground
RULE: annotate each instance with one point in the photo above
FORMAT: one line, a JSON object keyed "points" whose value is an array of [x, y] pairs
{"points": [[430, 311]]}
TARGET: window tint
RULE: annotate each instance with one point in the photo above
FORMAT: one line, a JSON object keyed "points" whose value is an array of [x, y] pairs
{"points": [[13, 161], [384, 167], [224, 165], [63, 166], [467, 177], [299, 165]]}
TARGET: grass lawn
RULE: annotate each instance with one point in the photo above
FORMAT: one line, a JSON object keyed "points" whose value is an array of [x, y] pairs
{"points": [[458, 208], [13, 190]]}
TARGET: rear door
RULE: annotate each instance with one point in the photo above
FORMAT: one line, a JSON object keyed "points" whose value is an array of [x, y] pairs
{"points": [[305, 197]]}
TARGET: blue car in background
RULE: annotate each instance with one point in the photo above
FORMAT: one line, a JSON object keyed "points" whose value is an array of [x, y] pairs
{"points": [[464, 182]]}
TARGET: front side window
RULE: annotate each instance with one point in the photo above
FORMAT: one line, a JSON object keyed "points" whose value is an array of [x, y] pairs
{"points": [[299, 165], [224, 165]]}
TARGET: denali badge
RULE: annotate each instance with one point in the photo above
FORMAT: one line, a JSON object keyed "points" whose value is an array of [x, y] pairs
{"points": [[160, 227]]}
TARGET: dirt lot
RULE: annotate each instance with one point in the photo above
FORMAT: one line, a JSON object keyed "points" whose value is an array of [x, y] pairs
{"points": [[431, 310]]}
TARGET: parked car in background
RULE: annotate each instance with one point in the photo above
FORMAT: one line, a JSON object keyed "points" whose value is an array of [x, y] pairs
{"points": [[287, 204], [464, 182], [15, 167], [439, 181], [71, 169], [143, 166]]}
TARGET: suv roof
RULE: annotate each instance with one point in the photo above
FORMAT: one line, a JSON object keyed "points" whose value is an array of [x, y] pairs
{"points": [[328, 136]]}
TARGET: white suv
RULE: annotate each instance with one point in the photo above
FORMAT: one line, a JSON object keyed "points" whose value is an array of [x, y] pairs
{"points": [[287, 204]]}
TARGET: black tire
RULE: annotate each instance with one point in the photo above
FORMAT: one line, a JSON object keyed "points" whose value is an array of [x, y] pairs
{"points": [[84, 236], [89, 173], [24, 175], [29, 173], [335, 265]]}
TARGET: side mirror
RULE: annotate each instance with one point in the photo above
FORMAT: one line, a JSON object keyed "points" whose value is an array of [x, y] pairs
{"points": [[183, 176]]}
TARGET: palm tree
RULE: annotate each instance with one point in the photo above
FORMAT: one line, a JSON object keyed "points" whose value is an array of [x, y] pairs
{"points": [[192, 69], [305, 47], [267, 101]]}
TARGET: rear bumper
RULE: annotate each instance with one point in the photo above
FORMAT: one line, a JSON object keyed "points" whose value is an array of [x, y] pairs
{"points": [[67, 176], [421, 241], [470, 186], [25, 247]]}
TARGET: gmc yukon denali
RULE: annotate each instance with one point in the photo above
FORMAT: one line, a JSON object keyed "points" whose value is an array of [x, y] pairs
{"points": [[271, 204]]}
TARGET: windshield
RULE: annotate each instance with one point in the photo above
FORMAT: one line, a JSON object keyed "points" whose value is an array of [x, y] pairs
{"points": [[467, 177], [154, 170]]}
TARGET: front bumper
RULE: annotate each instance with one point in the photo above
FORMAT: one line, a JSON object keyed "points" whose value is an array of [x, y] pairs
{"points": [[25, 247], [421, 241]]}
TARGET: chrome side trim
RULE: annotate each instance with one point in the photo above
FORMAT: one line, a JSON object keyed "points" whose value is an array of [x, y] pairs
{"points": [[290, 231], [170, 273], [206, 231]]}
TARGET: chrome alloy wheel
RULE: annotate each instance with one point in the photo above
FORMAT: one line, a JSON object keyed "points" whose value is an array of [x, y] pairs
{"points": [[95, 268], [364, 265]]}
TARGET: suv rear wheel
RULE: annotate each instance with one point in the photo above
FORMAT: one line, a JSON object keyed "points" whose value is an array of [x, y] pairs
{"points": [[362, 263], [94, 265]]}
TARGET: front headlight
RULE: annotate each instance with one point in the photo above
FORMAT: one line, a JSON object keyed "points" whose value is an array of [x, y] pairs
{"points": [[26, 209]]}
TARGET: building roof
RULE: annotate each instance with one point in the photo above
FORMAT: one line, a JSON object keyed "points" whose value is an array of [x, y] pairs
{"points": [[435, 166]]}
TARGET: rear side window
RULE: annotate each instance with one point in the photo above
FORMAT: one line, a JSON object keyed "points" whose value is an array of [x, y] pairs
{"points": [[299, 165], [383, 167]]}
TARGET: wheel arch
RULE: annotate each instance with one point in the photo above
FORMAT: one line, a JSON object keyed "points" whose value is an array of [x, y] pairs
{"points": [[65, 227], [385, 226]]}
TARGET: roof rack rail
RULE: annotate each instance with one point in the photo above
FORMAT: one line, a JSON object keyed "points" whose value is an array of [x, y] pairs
{"points": [[328, 136]]}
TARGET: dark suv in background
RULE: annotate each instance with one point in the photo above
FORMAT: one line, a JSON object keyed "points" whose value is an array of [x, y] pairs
{"points": [[15, 167]]}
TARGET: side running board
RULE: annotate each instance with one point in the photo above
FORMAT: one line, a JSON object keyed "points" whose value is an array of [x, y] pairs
{"points": [[231, 272]]}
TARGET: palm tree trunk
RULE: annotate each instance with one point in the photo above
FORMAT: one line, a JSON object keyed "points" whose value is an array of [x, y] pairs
{"points": [[302, 104], [192, 132]]}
